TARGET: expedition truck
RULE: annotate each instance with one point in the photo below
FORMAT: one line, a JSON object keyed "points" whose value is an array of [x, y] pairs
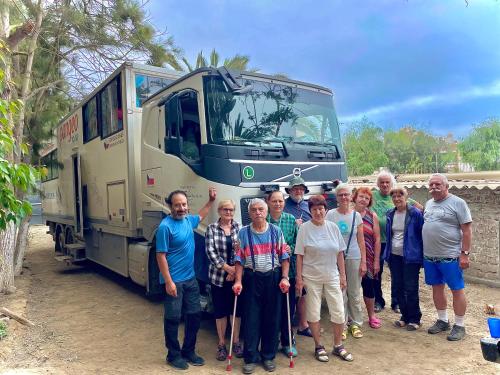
{"points": [[147, 131]]}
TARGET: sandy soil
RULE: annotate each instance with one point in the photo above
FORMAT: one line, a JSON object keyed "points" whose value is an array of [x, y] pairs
{"points": [[91, 321]]}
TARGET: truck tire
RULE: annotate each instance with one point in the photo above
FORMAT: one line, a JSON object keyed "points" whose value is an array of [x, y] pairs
{"points": [[59, 239], [154, 288]]}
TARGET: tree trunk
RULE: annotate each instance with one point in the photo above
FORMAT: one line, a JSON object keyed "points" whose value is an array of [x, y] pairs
{"points": [[7, 244], [21, 243]]}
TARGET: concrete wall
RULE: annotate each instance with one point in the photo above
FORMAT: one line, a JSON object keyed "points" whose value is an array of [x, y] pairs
{"points": [[485, 208]]}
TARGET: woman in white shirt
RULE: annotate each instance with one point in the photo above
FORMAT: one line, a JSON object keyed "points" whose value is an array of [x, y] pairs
{"points": [[350, 224], [320, 270]]}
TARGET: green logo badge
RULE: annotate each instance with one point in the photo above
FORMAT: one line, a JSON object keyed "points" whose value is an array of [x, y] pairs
{"points": [[248, 172]]}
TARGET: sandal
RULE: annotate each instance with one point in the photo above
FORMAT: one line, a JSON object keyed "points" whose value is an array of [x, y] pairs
{"points": [[356, 331], [412, 326], [304, 332], [342, 353], [221, 353], [321, 354], [400, 323], [344, 334], [375, 322]]}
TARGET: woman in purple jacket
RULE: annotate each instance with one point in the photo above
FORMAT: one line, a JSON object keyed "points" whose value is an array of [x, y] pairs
{"points": [[404, 253]]}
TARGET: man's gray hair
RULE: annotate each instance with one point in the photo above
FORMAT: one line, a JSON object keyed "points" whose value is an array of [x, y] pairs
{"points": [[440, 175], [255, 202], [386, 173]]}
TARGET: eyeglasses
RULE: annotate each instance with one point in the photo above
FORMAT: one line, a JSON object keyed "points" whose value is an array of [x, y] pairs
{"points": [[227, 209], [343, 195]]}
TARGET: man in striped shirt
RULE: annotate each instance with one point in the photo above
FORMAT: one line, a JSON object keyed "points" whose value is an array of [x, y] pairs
{"points": [[262, 263]]}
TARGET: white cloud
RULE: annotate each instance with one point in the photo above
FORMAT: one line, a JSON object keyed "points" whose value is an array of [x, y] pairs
{"points": [[474, 92]]}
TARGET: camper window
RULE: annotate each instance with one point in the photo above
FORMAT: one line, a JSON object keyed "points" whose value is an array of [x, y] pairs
{"points": [[111, 108], [90, 129]]}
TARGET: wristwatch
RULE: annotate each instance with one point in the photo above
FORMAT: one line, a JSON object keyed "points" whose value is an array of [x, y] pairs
{"points": [[465, 252], [285, 277]]}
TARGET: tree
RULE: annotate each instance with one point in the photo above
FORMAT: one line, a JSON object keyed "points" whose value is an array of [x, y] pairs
{"points": [[482, 147], [59, 52], [237, 62], [364, 148], [14, 177]]}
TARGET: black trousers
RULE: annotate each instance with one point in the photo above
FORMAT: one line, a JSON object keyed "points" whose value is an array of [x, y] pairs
{"points": [[405, 278], [262, 310], [187, 300]]}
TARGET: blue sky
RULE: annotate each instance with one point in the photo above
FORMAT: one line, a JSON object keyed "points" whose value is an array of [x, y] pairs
{"points": [[433, 64]]}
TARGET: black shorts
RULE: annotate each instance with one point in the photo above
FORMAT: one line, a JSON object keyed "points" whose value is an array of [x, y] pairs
{"points": [[223, 300], [368, 285]]}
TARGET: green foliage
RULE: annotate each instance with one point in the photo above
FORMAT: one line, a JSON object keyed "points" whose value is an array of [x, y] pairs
{"points": [[407, 150], [482, 147], [3, 330], [237, 62], [14, 177], [364, 147]]}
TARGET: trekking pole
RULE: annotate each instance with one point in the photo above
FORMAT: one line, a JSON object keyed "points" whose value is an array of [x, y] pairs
{"points": [[230, 355], [290, 353]]}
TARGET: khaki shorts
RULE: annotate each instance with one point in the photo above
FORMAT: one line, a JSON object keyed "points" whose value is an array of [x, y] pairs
{"points": [[333, 295]]}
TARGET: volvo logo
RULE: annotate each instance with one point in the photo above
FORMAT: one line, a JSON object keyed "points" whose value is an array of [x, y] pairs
{"points": [[297, 172]]}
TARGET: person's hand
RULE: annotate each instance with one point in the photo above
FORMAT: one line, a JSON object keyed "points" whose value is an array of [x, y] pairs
{"points": [[343, 282], [236, 246], [288, 249], [299, 285], [464, 261], [362, 269], [284, 285], [231, 270], [376, 267], [212, 194], [229, 277], [298, 222], [237, 288], [171, 289]]}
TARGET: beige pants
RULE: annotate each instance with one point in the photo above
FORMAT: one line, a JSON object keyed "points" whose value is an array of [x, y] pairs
{"points": [[352, 294], [333, 295]]}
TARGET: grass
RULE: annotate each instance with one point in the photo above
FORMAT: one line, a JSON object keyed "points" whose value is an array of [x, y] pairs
{"points": [[3, 330]]}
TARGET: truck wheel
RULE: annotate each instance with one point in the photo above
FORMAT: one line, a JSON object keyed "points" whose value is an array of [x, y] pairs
{"points": [[69, 238], [154, 289]]}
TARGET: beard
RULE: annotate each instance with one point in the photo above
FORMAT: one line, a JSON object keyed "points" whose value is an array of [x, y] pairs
{"points": [[296, 198]]}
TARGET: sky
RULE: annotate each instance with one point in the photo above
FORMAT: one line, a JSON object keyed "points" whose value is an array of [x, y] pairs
{"points": [[431, 64]]}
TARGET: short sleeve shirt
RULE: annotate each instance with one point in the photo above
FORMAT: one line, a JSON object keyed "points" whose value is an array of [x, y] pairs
{"points": [[176, 239], [319, 245], [344, 222], [298, 210], [441, 233]]}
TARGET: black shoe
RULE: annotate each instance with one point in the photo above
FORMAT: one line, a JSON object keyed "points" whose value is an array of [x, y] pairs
{"points": [[269, 365], [194, 359], [378, 307], [248, 368], [179, 363], [395, 308]]}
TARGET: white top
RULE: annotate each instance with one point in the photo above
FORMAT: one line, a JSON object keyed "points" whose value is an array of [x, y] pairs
{"points": [[344, 222], [320, 245], [398, 232]]}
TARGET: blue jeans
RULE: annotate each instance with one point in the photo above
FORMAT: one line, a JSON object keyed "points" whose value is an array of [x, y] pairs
{"points": [[187, 301], [262, 312], [405, 279]]}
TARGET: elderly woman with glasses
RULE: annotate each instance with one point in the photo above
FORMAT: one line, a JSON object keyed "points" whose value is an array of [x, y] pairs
{"points": [[219, 239], [350, 224], [405, 255]]}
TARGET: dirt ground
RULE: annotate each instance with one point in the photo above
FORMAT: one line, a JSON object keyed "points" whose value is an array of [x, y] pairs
{"points": [[91, 321]]}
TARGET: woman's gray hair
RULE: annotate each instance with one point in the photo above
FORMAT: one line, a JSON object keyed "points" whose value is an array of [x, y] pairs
{"points": [[442, 176], [343, 187], [255, 202], [399, 189], [386, 173]]}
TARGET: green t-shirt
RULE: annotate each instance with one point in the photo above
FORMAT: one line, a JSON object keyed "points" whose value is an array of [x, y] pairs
{"points": [[382, 204]]}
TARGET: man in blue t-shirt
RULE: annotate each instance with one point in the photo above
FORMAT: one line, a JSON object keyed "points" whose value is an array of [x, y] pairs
{"points": [[175, 257]]}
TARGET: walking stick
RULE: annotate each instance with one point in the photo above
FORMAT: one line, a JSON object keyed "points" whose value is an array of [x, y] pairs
{"points": [[290, 353], [230, 355]]}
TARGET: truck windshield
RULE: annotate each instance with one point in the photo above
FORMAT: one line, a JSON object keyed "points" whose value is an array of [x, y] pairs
{"points": [[269, 113]]}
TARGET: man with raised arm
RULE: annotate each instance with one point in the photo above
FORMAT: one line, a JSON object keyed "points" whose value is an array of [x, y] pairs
{"points": [[175, 257]]}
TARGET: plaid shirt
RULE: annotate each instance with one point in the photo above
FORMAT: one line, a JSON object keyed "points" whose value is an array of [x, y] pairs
{"points": [[289, 228], [216, 249]]}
